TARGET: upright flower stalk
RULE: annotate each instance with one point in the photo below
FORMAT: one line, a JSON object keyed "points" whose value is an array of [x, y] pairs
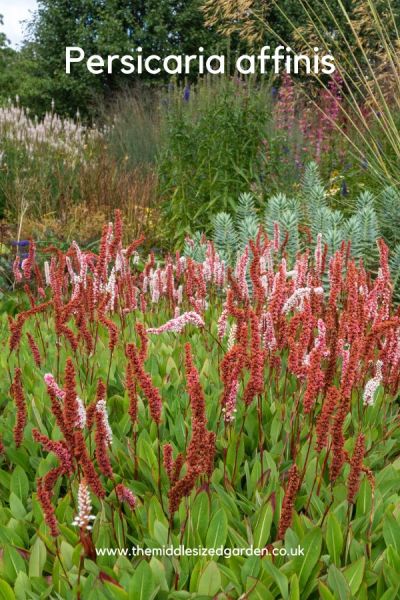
{"points": [[287, 510], [21, 410], [356, 465], [143, 379], [201, 449]]}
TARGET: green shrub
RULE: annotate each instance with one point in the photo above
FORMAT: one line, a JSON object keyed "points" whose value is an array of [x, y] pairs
{"points": [[211, 153]]}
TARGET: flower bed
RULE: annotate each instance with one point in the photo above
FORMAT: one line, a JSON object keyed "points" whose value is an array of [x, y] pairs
{"points": [[189, 404]]}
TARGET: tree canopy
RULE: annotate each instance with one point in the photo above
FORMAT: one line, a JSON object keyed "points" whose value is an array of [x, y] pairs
{"points": [[103, 27]]}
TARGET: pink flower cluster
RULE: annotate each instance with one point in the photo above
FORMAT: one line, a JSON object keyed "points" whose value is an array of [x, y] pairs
{"points": [[176, 325]]}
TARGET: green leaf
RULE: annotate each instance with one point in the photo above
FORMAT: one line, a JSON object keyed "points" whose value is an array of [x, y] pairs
{"points": [[170, 365], [325, 592], [210, 580], [116, 591], [279, 578], [334, 539], [195, 575], [17, 508], [200, 515], [13, 563], [119, 528], [160, 533], [294, 588], [256, 590], [67, 552], [390, 574], [218, 530], [5, 479], [364, 499], [338, 584], [389, 594], [6, 592], [363, 592], [303, 565], [250, 568], [37, 559], [393, 558], [354, 574], [19, 483], [22, 586], [141, 585], [391, 532], [159, 574], [263, 525]]}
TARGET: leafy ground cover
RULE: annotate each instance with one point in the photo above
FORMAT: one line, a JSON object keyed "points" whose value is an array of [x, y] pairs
{"points": [[152, 403]]}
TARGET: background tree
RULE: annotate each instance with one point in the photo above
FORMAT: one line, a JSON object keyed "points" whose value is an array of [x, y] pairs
{"points": [[8, 79], [112, 27]]}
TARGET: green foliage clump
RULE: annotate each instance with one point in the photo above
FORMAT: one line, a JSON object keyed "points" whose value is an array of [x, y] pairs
{"points": [[306, 215], [8, 75], [211, 154]]}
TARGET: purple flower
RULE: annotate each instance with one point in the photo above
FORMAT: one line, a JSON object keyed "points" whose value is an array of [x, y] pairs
{"points": [[20, 243], [186, 93], [343, 190]]}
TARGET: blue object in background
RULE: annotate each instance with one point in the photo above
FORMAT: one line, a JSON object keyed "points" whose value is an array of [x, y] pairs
{"points": [[20, 244]]}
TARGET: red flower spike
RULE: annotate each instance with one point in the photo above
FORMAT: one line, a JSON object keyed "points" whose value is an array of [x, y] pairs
{"points": [[19, 399], [150, 391], [292, 488], [44, 498], [356, 465], [34, 350]]}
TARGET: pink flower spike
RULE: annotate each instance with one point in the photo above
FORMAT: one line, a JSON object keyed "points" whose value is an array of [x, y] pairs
{"points": [[372, 385], [53, 386], [16, 270], [222, 322], [125, 494], [179, 323]]}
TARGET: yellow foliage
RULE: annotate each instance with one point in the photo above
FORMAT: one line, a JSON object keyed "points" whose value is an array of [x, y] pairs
{"points": [[243, 17]]}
